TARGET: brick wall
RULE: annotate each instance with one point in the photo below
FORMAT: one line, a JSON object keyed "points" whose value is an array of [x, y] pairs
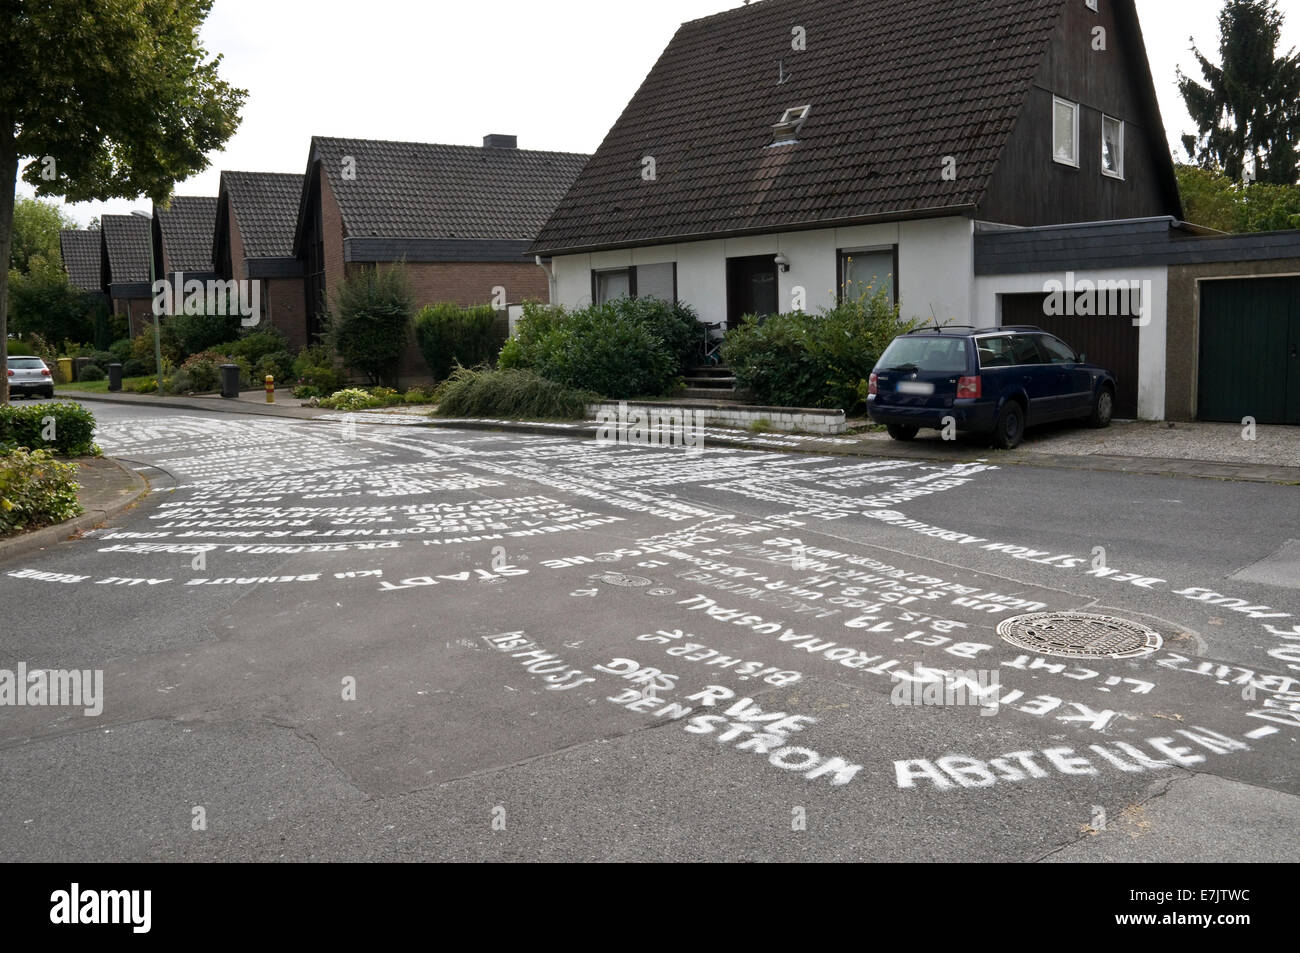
{"points": [[286, 309]]}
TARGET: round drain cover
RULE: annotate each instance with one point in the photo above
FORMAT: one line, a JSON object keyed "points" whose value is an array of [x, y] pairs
{"points": [[1078, 635], [622, 579]]}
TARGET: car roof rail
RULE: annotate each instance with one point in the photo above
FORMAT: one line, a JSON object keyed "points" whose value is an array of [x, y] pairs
{"points": [[937, 329], [1020, 327]]}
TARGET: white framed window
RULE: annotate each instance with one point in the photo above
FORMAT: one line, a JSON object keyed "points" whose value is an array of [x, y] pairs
{"points": [[608, 285], [787, 129], [1112, 147], [1065, 131]]}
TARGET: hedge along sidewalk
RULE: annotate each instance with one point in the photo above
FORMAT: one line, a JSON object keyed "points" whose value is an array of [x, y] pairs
{"points": [[107, 488]]}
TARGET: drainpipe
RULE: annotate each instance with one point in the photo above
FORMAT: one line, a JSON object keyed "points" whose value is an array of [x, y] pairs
{"points": [[550, 278]]}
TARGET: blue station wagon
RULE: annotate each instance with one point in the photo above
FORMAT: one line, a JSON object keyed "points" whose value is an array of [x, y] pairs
{"points": [[994, 381]]}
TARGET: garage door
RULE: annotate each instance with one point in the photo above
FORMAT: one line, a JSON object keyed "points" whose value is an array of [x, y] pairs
{"points": [[1249, 342], [1110, 341]]}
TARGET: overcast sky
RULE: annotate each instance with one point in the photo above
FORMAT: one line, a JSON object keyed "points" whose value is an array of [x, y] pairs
{"points": [[557, 73]]}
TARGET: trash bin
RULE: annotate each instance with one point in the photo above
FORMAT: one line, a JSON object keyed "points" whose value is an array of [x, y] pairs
{"points": [[65, 370], [229, 380], [115, 377]]}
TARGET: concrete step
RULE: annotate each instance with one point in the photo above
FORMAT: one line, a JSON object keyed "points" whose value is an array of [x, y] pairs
{"points": [[720, 394]]}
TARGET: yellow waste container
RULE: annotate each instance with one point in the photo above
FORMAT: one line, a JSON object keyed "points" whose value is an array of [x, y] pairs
{"points": [[65, 370]]}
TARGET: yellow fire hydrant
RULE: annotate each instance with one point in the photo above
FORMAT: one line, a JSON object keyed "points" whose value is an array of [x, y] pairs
{"points": [[270, 389]]}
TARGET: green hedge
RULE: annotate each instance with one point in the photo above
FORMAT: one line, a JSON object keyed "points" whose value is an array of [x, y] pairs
{"points": [[449, 335], [71, 428], [511, 394], [624, 348], [35, 490], [814, 360]]}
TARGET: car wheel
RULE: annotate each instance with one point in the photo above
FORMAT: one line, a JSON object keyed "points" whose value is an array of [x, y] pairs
{"points": [[1010, 427], [1103, 408], [49, 393], [900, 432]]}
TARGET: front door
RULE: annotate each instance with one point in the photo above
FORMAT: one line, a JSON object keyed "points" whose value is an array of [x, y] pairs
{"points": [[751, 287]]}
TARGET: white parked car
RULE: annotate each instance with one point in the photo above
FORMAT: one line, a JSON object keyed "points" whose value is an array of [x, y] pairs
{"points": [[29, 375]]}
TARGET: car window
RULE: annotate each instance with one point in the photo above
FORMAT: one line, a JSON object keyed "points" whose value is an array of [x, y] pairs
{"points": [[1058, 352], [1026, 351], [28, 362], [995, 352], [943, 355]]}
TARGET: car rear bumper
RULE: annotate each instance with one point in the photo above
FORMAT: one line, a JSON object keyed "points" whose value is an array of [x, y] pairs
{"points": [[969, 415]]}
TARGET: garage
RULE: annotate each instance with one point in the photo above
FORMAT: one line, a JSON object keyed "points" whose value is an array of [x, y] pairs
{"points": [[1249, 350], [1107, 340]]}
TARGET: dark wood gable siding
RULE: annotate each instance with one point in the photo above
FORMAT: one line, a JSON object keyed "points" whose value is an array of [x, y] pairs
{"points": [[1029, 188]]}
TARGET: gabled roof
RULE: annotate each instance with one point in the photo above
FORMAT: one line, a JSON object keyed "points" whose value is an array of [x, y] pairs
{"points": [[265, 206], [81, 258], [127, 247], [422, 190], [894, 86], [186, 227]]}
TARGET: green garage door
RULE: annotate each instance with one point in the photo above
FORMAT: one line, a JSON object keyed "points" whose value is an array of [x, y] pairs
{"points": [[1250, 351]]}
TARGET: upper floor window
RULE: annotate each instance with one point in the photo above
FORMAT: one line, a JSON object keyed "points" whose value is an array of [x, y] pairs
{"points": [[1112, 147], [1065, 131]]}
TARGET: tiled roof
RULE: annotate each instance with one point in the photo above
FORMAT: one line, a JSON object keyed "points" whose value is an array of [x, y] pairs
{"points": [[81, 258], [187, 227], [266, 208], [419, 190], [894, 86], [127, 239]]}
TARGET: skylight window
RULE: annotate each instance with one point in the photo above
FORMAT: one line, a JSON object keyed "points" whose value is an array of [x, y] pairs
{"points": [[792, 120]]}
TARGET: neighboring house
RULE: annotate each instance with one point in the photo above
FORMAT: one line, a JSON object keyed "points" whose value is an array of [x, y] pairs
{"points": [[182, 237], [462, 218], [125, 251], [81, 253], [256, 215], [748, 176]]}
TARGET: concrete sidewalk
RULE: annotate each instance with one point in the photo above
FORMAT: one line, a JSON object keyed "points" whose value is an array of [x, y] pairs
{"points": [[1204, 450], [106, 488]]}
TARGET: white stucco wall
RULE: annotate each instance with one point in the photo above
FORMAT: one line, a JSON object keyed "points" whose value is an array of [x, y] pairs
{"points": [[1151, 338], [935, 267]]}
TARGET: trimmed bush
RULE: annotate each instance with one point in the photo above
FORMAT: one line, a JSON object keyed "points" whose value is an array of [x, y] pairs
{"points": [[35, 490], [625, 348], [92, 372], [70, 426], [510, 394], [353, 398], [814, 360], [449, 335]]}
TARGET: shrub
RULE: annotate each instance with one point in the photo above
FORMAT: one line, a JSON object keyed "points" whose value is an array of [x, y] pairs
{"points": [[619, 349], [417, 395], [511, 394], [147, 385], [101, 359], [202, 372], [92, 372], [253, 347], [449, 335], [35, 490], [195, 333], [278, 364], [121, 351], [821, 360], [351, 399], [372, 321], [314, 367], [134, 367], [305, 392], [71, 428]]}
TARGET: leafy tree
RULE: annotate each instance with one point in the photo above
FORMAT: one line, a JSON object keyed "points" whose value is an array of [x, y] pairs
{"points": [[36, 232], [1249, 107], [371, 324], [1210, 198], [41, 301], [113, 99]]}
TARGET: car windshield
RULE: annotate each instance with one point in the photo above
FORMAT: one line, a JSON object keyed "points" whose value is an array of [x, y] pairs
{"points": [[944, 355]]}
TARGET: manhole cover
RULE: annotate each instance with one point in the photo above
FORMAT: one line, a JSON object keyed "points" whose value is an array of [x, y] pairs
{"points": [[1078, 635], [621, 579]]}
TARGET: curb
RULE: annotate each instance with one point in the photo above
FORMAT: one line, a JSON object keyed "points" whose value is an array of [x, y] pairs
{"points": [[222, 407], [51, 535]]}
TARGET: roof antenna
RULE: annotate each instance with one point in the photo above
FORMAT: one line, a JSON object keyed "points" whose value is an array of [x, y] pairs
{"points": [[782, 75]]}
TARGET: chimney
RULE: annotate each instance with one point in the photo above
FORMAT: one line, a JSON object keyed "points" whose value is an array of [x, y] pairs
{"points": [[500, 142]]}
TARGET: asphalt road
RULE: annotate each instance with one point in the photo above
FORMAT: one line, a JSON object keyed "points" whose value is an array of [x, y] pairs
{"points": [[349, 641]]}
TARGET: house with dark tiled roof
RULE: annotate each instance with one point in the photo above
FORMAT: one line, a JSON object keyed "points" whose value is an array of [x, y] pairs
{"points": [[784, 153], [81, 253], [462, 218], [256, 215], [125, 251], [182, 237]]}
